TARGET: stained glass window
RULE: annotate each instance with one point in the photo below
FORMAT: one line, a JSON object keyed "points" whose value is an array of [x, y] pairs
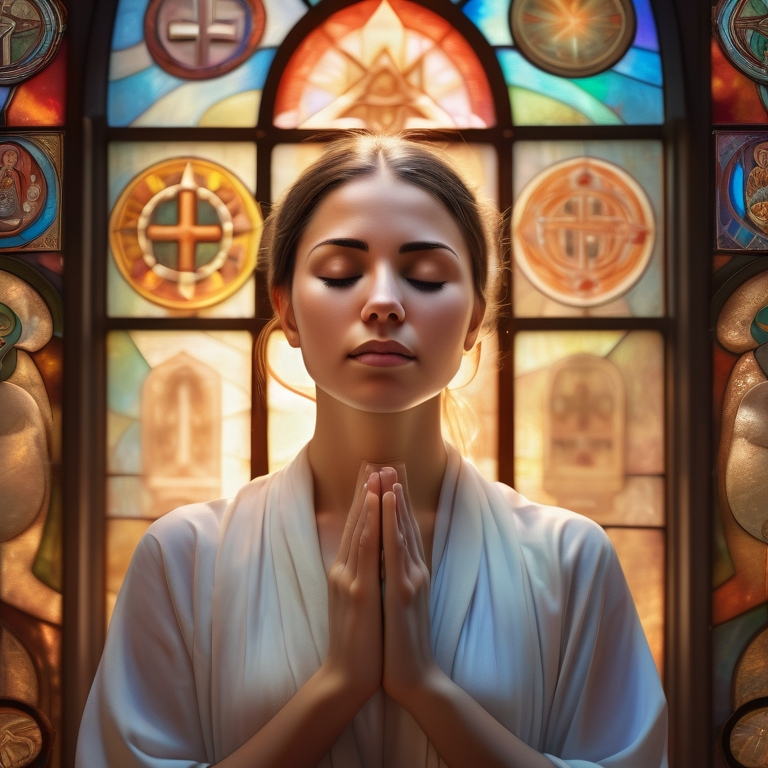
{"points": [[587, 229], [582, 63]]}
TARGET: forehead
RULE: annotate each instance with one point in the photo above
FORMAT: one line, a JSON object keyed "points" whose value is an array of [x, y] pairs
{"points": [[382, 207]]}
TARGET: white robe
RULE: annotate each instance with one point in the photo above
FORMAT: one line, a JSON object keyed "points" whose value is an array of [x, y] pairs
{"points": [[223, 617]]}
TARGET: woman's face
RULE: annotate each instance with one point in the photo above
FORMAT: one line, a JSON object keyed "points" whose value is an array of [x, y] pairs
{"points": [[382, 303]]}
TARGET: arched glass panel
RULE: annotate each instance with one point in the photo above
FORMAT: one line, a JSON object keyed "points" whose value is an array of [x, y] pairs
{"points": [[385, 65], [194, 62]]}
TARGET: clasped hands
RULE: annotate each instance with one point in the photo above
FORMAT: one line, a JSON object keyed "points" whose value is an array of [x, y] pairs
{"points": [[369, 646]]}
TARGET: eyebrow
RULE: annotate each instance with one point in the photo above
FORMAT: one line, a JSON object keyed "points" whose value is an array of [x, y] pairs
{"points": [[344, 242], [360, 245]]}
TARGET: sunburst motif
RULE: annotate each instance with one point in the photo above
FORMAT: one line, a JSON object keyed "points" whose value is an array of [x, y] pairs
{"points": [[573, 38]]}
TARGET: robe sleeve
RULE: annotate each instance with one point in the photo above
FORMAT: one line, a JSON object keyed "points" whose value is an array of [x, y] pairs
{"points": [[142, 711], [609, 708]]}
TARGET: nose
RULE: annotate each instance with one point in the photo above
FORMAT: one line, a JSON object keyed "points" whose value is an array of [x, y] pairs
{"points": [[384, 301]]}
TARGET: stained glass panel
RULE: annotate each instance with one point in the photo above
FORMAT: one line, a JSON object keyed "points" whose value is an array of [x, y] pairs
{"points": [[184, 229], [739, 74], [189, 63], [385, 65], [641, 554], [588, 229], [41, 100], [30, 196], [742, 191], [178, 428], [30, 501], [589, 423], [607, 72]]}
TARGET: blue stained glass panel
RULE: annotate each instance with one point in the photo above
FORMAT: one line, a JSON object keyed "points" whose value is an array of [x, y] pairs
{"points": [[491, 17], [145, 91], [609, 98]]}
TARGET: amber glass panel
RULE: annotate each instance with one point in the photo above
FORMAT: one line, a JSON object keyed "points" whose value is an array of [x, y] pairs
{"points": [[178, 428], [478, 164], [641, 554], [587, 229], [386, 65], [589, 423], [184, 229]]}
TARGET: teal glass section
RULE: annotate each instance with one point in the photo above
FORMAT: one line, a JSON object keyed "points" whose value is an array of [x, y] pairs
{"points": [[610, 98], [491, 17]]}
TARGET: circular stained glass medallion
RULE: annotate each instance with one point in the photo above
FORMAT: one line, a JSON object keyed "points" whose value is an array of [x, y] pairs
{"points": [[185, 233], [742, 29], [202, 39], [583, 231], [744, 738], [573, 38], [30, 34]]}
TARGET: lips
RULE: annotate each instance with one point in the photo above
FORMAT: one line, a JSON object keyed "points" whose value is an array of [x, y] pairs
{"points": [[382, 348]]}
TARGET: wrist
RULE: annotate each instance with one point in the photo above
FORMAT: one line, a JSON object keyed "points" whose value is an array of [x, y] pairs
{"points": [[423, 691], [340, 689]]}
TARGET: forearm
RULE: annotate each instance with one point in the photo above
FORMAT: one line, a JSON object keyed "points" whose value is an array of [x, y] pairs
{"points": [[304, 730], [463, 733]]}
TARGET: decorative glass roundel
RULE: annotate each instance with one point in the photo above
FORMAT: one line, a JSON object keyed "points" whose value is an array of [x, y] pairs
{"points": [[30, 33], [573, 38], [201, 39], [185, 233], [742, 27], [583, 231]]}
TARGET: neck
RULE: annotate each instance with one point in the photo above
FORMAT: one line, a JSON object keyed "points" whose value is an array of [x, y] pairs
{"points": [[346, 437]]}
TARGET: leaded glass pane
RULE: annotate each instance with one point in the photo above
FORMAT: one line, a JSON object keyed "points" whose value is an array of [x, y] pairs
{"points": [[184, 229], [641, 554], [739, 77], [604, 70], [589, 423], [742, 191], [385, 65], [588, 229], [189, 63]]}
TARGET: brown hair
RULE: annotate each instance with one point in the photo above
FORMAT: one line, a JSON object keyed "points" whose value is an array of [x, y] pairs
{"points": [[362, 153]]}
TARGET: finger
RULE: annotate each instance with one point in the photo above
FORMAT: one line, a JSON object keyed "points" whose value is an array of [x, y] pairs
{"points": [[371, 504], [394, 543], [388, 479], [369, 550], [408, 525], [355, 518]]}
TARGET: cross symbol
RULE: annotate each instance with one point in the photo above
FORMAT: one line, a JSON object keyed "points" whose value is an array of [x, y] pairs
{"points": [[11, 25], [186, 232], [585, 222], [205, 29]]}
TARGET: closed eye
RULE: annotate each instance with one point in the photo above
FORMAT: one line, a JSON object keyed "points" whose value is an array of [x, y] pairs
{"points": [[340, 282], [425, 286]]}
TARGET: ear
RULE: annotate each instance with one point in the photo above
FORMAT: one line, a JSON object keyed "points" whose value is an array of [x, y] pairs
{"points": [[281, 298], [475, 323]]}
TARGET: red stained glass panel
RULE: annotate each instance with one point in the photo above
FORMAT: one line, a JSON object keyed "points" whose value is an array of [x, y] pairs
{"points": [[41, 99]]}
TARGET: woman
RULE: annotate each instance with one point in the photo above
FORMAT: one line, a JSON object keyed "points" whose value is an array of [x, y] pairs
{"points": [[256, 632]]}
